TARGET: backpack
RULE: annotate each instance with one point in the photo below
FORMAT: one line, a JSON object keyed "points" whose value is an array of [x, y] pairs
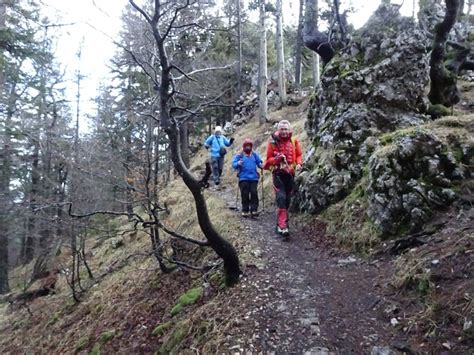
{"points": [[274, 142], [222, 150]]}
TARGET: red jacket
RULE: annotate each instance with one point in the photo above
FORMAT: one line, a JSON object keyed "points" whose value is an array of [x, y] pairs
{"points": [[277, 148]]}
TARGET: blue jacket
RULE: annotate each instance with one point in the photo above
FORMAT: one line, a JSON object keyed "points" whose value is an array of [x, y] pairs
{"points": [[216, 143], [248, 170]]}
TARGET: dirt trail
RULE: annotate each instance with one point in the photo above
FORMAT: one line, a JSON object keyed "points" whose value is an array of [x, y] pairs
{"points": [[304, 297]]}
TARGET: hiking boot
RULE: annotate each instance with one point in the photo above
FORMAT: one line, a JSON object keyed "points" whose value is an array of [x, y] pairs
{"points": [[285, 232], [279, 230], [245, 214], [255, 213]]}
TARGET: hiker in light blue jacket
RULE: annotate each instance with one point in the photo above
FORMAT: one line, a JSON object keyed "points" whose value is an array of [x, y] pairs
{"points": [[246, 163], [216, 144]]}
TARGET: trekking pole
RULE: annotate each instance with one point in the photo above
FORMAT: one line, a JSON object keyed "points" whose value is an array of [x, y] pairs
{"points": [[263, 194], [237, 196]]}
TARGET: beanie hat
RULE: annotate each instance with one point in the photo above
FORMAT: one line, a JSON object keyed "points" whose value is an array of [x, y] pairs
{"points": [[247, 141], [284, 123], [218, 129]]}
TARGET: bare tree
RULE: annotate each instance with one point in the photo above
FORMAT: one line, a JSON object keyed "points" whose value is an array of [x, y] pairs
{"points": [[162, 22]]}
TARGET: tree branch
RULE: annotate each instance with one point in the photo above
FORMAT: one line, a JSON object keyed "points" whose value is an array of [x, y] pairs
{"points": [[101, 212], [182, 237], [200, 70]]}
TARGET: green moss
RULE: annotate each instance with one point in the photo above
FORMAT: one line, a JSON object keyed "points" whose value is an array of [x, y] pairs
{"points": [[438, 110], [424, 284], [392, 137], [106, 336], [95, 350], [218, 279], [54, 318], [178, 335], [162, 328], [190, 296], [176, 309], [357, 192], [81, 343]]}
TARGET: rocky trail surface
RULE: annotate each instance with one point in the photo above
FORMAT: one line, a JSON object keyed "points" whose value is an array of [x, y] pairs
{"points": [[308, 297]]}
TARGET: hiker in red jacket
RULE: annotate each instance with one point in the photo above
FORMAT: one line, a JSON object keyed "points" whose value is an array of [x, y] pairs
{"points": [[284, 158]]}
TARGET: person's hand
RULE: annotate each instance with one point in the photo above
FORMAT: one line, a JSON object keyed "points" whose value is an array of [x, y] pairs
{"points": [[232, 140], [240, 163], [206, 146], [298, 167], [279, 158]]}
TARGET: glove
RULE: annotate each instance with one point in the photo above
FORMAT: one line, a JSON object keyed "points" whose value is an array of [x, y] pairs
{"points": [[206, 146], [232, 140], [280, 158]]}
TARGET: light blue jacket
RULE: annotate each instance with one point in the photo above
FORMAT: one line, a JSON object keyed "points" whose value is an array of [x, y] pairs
{"points": [[248, 170], [216, 143]]}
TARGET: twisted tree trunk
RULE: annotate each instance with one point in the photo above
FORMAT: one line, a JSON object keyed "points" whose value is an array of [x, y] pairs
{"points": [[221, 246], [443, 88]]}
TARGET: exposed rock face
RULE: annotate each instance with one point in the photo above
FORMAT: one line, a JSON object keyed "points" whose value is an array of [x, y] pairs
{"points": [[408, 179], [374, 87]]}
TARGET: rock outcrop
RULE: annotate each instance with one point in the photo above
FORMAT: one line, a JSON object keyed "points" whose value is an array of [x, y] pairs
{"points": [[373, 89]]}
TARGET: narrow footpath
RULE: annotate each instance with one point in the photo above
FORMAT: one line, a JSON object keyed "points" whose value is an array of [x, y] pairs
{"points": [[306, 296]]}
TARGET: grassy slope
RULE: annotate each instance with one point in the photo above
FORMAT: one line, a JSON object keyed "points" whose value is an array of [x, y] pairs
{"points": [[132, 298]]}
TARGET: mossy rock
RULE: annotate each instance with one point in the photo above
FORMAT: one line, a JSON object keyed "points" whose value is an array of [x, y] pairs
{"points": [[162, 328], [190, 297]]}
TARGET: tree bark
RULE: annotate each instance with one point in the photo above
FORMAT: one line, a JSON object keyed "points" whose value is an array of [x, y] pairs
{"points": [[263, 104], [443, 88], [299, 45], [184, 143], [280, 53]]}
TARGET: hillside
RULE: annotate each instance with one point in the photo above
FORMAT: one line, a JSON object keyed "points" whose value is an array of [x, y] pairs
{"points": [[309, 294]]}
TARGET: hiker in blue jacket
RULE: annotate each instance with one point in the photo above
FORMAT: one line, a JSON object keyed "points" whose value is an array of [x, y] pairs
{"points": [[246, 163], [216, 144]]}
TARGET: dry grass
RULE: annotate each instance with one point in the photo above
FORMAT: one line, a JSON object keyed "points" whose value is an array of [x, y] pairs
{"points": [[130, 284]]}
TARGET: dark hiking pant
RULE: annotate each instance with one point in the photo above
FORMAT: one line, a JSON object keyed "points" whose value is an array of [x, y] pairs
{"points": [[248, 191], [217, 165], [283, 184]]}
